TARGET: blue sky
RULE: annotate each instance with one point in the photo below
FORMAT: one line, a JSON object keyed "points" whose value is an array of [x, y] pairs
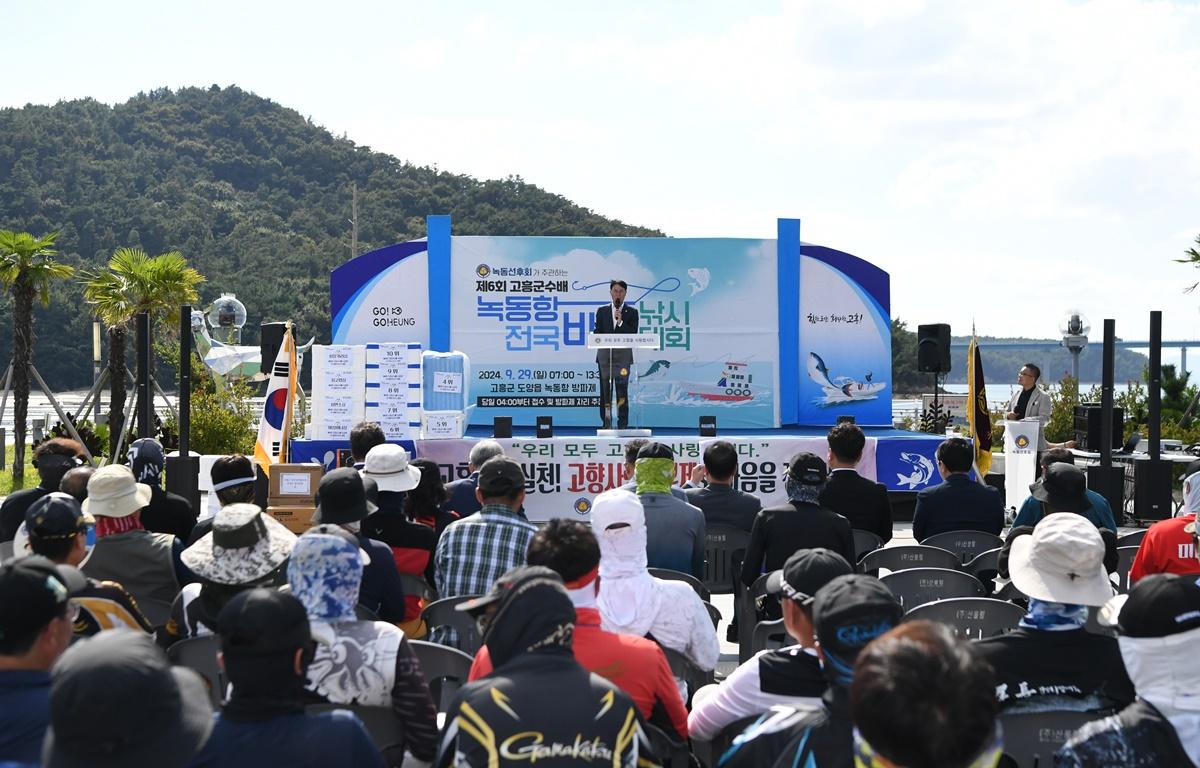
{"points": [[1004, 161]]}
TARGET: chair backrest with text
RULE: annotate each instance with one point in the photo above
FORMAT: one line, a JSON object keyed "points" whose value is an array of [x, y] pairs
{"points": [[917, 586], [909, 556], [965, 544], [1031, 739], [724, 549], [971, 617]]}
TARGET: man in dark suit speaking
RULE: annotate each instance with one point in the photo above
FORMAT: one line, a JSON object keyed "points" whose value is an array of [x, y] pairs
{"points": [[615, 317]]}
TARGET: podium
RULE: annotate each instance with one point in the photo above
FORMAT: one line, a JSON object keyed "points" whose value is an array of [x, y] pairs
{"points": [[611, 341], [1020, 459]]}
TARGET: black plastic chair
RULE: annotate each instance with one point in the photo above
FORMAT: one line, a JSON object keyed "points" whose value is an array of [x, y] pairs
{"points": [[199, 654], [1131, 539], [386, 730], [441, 613], [917, 586], [667, 574], [446, 670], [157, 612], [709, 752], [971, 617], [1125, 556], [864, 542], [724, 550], [909, 556], [985, 566], [1031, 739], [749, 616], [966, 544], [770, 634], [673, 752], [683, 669], [416, 585], [714, 613]]}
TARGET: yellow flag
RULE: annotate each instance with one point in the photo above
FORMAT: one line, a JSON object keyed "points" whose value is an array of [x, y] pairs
{"points": [[977, 409]]}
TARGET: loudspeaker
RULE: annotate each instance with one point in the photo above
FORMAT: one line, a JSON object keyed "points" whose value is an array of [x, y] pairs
{"points": [[708, 426], [1152, 490], [1089, 423], [269, 341], [933, 348], [502, 426], [1109, 483], [545, 426]]}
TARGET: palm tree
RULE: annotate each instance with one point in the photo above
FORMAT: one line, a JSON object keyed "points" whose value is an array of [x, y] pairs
{"points": [[26, 270], [132, 284]]}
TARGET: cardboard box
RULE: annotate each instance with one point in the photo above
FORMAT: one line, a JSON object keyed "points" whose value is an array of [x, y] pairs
{"points": [[294, 484], [295, 519]]}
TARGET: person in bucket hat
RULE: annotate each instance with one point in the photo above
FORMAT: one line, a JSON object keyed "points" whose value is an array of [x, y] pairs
{"points": [[1158, 625], [246, 548], [146, 564], [1050, 660]]}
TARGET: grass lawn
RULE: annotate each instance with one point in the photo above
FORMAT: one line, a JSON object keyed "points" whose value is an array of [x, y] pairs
{"points": [[6, 481]]}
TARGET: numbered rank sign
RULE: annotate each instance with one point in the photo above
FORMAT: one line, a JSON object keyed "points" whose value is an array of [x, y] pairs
{"points": [[442, 425]]}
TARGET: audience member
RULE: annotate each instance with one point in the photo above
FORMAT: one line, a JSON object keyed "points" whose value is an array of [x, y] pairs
{"points": [[167, 512], [1095, 507], [59, 531], [719, 500], [364, 436], [146, 564], [632, 447], [632, 601], [412, 544], [921, 699], [802, 523], [960, 503], [117, 703], [266, 649], [861, 501], [541, 706], [366, 663], [246, 548], [425, 503], [52, 459], [848, 613], [460, 494], [635, 664], [233, 479], [1051, 661], [36, 614], [1159, 626], [1169, 545], [475, 551], [75, 481], [674, 528], [791, 675], [1030, 401], [342, 500]]}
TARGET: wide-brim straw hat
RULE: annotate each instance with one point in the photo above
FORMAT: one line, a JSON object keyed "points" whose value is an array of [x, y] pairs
{"points": [[113, 492], [244, 545]]}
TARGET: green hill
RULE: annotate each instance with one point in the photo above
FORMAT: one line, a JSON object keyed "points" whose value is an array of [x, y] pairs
{"points": [[255, 195]]}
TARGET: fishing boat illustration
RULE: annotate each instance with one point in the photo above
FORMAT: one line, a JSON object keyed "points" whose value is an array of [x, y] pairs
{"points": [[840, 389], [734, 385]]}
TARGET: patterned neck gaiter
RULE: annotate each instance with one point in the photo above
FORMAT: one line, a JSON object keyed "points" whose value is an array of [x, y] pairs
{"points": [[1054, 617], [654, 475]]}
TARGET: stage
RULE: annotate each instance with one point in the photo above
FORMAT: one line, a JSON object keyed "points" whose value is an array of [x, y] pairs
{"points": [[564, 473]]}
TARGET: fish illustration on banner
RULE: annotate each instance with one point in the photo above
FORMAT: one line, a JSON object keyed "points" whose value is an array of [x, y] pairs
{"points": [[921, 471], [700, 279], [840, 389], [276, 423]]}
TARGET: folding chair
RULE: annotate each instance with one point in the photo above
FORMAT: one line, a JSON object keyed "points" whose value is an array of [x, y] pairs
{"points": [[971, 617], [200, 655], [386, 730], [770, 634], [441, 613], [917, 586], [1031, 739], [909, 556], [666, 574], [864, 542], [1125, 556], [446, 670], [965, 544], [724, 549]]}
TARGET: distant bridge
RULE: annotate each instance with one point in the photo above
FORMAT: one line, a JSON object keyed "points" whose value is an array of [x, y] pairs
{"points": [[1182, 346]]}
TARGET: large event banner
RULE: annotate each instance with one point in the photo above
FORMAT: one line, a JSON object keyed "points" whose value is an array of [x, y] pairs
{"points": [[382, 296], [521, 308], [564, 475], [845, 339]]}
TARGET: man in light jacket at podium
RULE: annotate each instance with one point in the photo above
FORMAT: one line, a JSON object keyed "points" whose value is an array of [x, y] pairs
{"points": [[615, 317], [1030, 401]]}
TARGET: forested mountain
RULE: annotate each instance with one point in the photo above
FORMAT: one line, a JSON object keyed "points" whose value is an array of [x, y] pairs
{"points": [[255, 196]]}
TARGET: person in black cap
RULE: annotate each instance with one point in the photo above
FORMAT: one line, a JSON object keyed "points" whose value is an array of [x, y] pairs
{"points": [[36, 614], [802, 523], [1159, 627], [342, 500], [960, 503], [848, 613], [473, 552], [539, 705], [52, 459], [116, 702], [790, 675], [266, 648], [674, 528], [167, 512], [58, 529]]}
